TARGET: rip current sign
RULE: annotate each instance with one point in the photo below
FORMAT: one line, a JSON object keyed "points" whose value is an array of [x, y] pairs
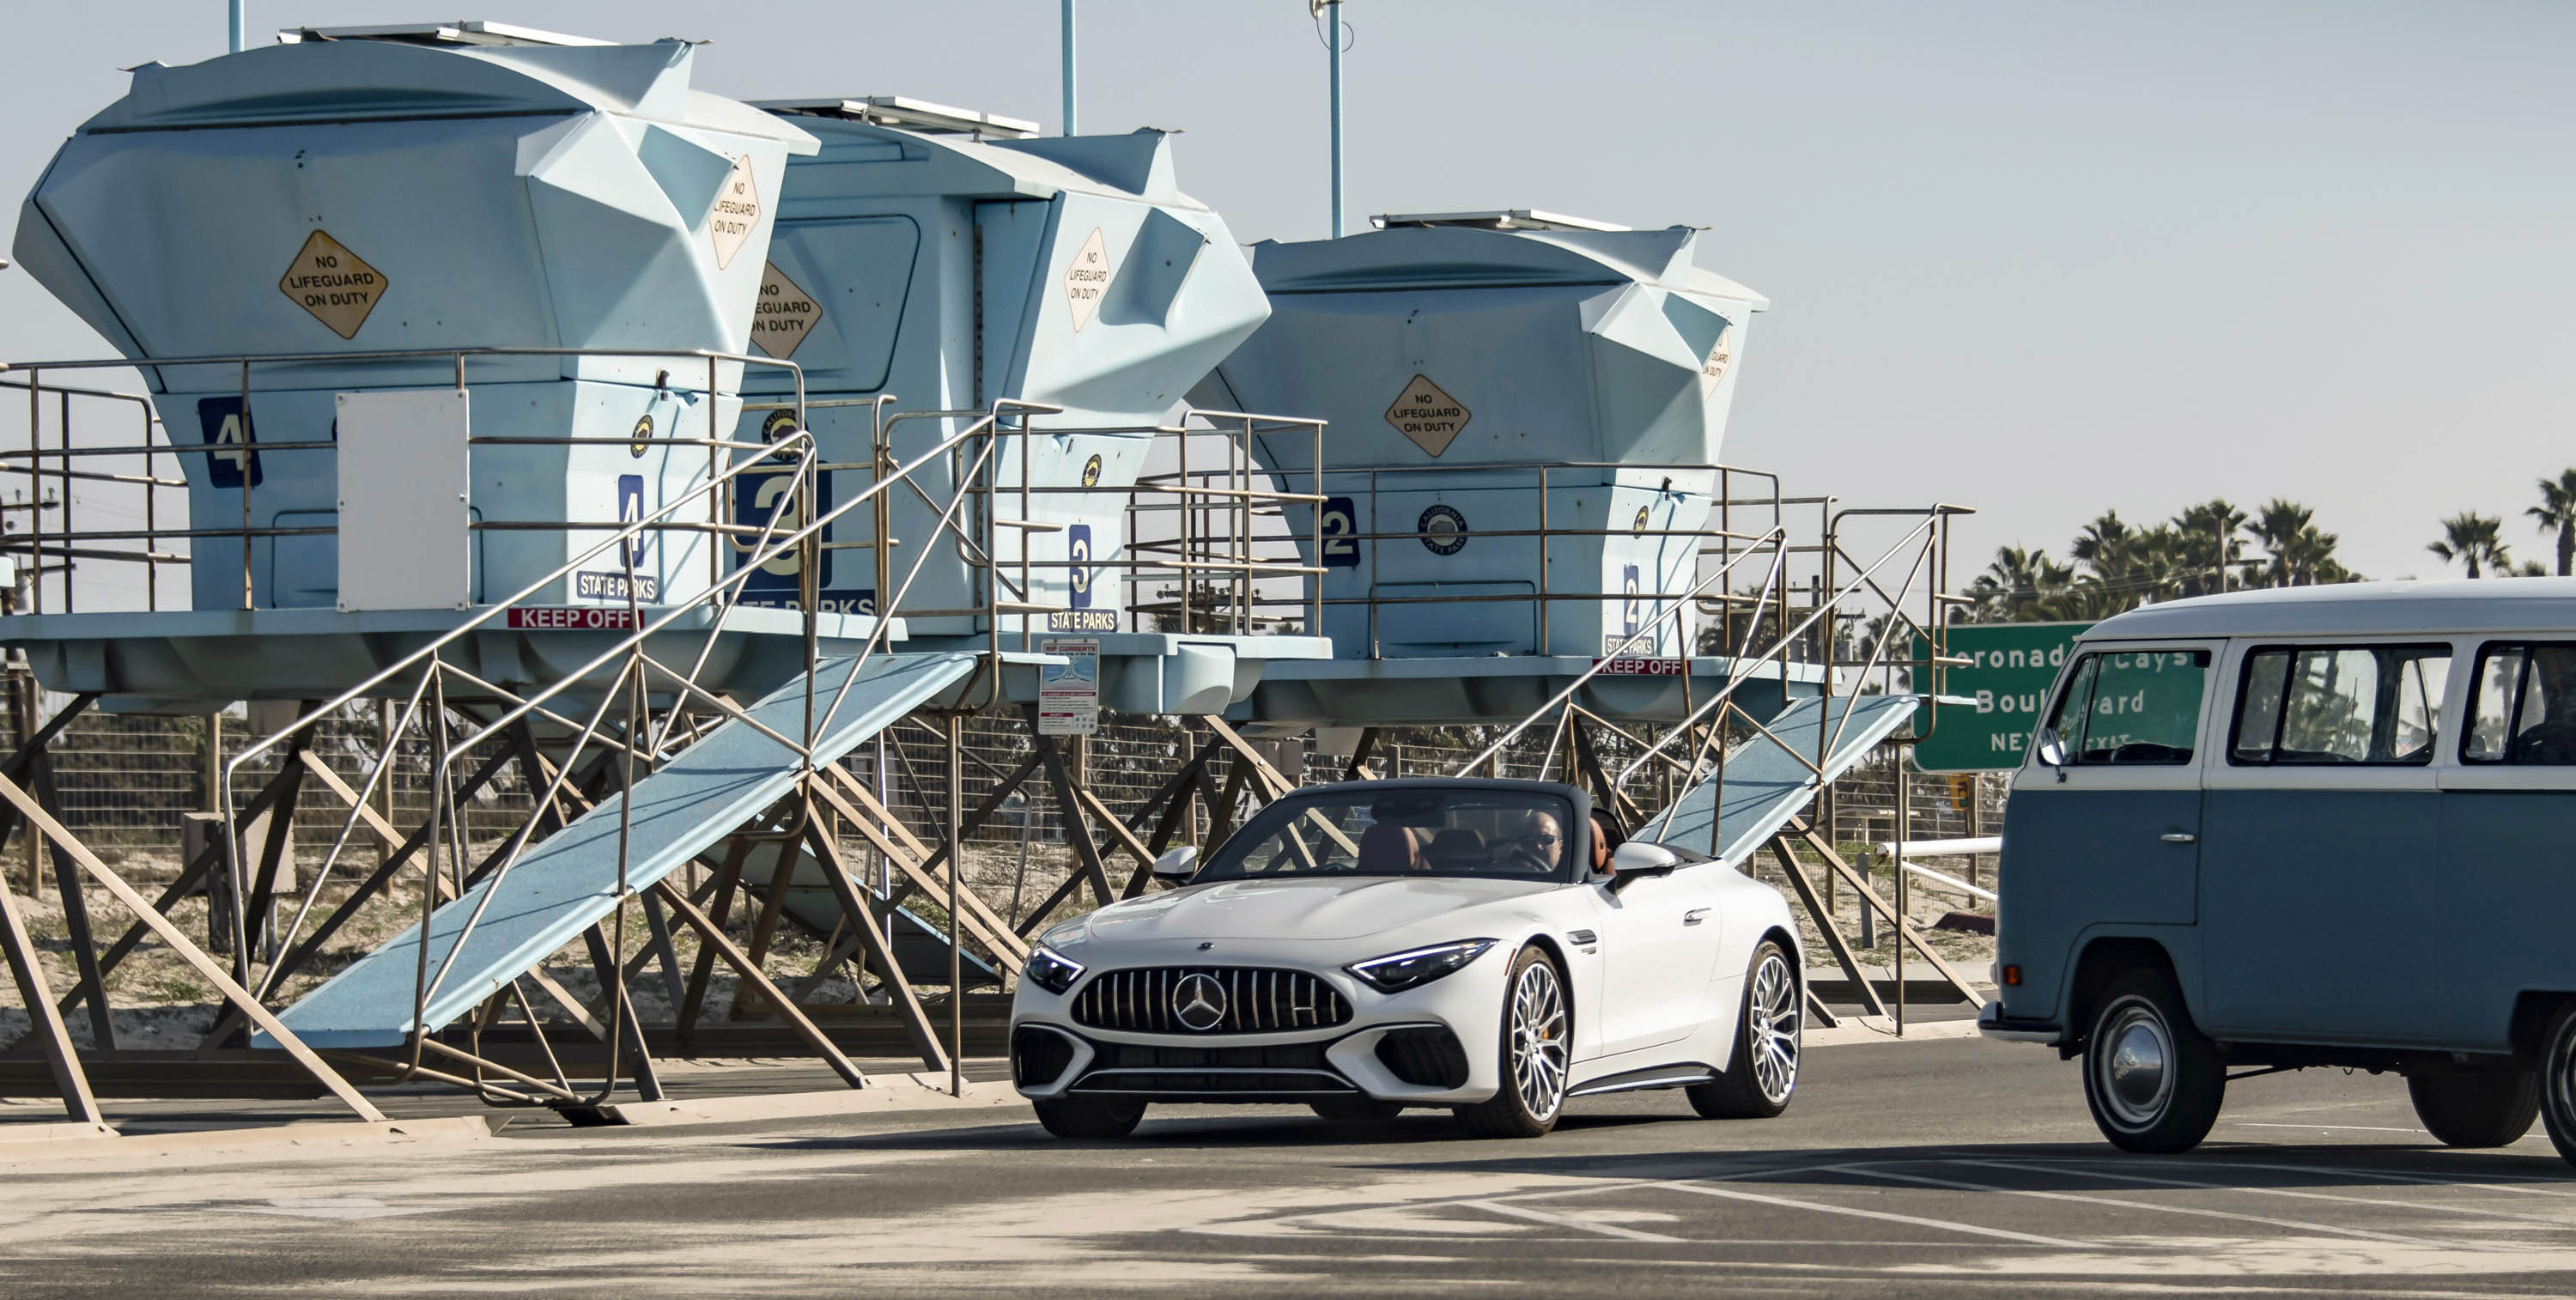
{"points": [[224, 424], [1340, 525], [766, 498]]}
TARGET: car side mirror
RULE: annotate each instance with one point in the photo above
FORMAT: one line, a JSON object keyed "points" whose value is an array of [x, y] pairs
{"points": [[1637, 859], [1178, 865]]}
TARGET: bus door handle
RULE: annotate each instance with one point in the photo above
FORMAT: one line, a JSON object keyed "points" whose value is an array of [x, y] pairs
{"points": [[2179, 837]]}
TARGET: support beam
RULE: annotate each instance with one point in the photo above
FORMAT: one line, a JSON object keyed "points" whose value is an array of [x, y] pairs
{"points": [[1906, 930], [186, 950], [713, 936], [29, 973], [1076, 827], [1825, 927], [67, 884], [630, 1035], [871, 937]]}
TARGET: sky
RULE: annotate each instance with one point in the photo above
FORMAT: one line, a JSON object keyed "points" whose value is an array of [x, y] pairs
{"points": [[2042, 259]]}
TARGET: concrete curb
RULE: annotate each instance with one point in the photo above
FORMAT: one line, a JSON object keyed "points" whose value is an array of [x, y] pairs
{"points": [[885, 1093], [60, 1131], [1879, 1029], [315, 1138]]}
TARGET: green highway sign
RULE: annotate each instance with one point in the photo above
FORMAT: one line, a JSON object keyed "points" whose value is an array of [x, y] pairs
{"points": [[2010, 668]]}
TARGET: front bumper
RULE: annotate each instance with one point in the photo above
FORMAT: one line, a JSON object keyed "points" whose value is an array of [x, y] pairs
{"points": [[1992, 1023], [1415, 1062]]}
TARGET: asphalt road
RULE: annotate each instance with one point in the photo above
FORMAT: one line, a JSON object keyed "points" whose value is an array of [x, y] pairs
{"points": [[1950, 1168]]}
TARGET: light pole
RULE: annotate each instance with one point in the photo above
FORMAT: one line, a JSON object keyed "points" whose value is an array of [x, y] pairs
{"points": [[1068, 66], [1332, 9], [241, 28]]}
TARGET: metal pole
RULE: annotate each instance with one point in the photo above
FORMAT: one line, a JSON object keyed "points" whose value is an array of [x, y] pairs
{"points": [[1068, 69], [241, 28], [956, 871], [1896, 941], [1333, 42]]}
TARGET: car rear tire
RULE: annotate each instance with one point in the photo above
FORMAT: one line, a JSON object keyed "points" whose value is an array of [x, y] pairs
{"points": [[2557, 1077], [1090, 1117], [2476, 1108], [2153, 1080], [1536, 1041], [1357, 1110], [1769, 1033]]}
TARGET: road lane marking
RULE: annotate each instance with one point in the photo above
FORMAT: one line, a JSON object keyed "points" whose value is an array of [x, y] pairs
{"points": [[1943, 1225], [1569, 1221], [2296, 1225], [2498, 1216], [2360, 1174]]}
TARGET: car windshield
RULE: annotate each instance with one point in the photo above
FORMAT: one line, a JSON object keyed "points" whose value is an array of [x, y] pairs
{"points": [[1461, 831]]}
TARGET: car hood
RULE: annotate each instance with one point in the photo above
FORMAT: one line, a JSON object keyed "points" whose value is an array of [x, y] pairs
{"points": [[1338, 907]]}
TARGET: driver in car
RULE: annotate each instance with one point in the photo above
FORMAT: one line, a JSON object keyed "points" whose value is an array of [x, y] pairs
{"points": [[1534, 848]]}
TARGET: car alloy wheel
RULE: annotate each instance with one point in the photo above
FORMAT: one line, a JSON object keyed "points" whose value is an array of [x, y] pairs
{"points": [[1776, 1028], [1535, 1037], [1770, 1030], [1539, 1040]]}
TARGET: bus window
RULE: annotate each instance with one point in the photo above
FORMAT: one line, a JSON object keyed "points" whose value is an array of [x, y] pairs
{"points": [[2340, 704], [2133, 706], [2522, 706]]}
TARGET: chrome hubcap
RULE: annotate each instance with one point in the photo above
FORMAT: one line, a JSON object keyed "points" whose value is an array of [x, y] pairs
{"points": [[1538, 1041], [2132, 1071], [1776, 1021]]}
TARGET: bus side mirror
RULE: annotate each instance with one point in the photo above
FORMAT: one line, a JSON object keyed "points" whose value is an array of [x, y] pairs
{"points": [[1178, 865], [2051, 749]]}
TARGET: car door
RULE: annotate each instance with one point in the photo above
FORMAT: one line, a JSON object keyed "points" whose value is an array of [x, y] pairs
{"points": [[1658, 952], [2107, 832]]}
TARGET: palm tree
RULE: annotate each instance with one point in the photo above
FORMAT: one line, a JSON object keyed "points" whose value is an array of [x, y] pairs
{"points": [[2557, 511], [2019, 587], [2210, 541], [2474, 542], [2301, 554]]}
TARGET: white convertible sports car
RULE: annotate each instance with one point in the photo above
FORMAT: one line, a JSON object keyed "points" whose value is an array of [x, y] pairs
{"points": [[1374, 945]]}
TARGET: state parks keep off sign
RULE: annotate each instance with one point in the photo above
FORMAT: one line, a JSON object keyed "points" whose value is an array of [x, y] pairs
{"points": [[2009, 670]]}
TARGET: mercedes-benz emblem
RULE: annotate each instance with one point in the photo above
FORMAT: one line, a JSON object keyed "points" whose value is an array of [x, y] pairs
{"points": [[1198, 1002]]}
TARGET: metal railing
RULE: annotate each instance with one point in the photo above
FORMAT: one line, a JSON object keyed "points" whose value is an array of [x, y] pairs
{"points": [[69, 543]]}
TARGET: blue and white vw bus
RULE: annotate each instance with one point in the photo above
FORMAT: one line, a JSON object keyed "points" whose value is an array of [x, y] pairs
{"points": [[2324, 826]]}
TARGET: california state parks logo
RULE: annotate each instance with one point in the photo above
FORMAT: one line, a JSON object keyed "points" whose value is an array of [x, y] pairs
{"points": [[1443, 530]]}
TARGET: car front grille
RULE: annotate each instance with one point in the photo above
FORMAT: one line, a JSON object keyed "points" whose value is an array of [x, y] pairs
{"points": [[1209, 1000]]}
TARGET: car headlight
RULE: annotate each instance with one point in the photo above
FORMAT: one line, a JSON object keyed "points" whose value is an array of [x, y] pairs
{"points": [[1051, 970], [1398, 971]]}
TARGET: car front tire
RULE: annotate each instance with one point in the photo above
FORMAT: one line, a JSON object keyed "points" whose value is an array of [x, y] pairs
{"points": [[1536, 1044], [1090, 1117], [2153, 1080], [1769, 1038], [2558, 1082], [2476, 1108]]}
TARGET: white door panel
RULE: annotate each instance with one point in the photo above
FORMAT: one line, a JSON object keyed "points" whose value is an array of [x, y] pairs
{"points": [[1657, 959]]}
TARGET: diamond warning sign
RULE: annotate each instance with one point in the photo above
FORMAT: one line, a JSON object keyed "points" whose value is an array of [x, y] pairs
{"points": [[1433, 419], [784, 315], [334, 284], [1714, 369], [736, 213], [1086, 279]]}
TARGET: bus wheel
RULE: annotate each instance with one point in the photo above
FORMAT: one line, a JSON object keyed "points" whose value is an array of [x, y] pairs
{"points": [[2152, 1079], [2558, 1082], [2476, 1108]]}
